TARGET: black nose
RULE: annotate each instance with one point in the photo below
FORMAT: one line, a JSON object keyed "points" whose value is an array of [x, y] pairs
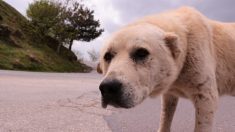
{"points": [[110, 87]]}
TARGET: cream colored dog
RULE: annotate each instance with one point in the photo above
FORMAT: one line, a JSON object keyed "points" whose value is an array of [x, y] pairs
{"points": [[179, 53]]}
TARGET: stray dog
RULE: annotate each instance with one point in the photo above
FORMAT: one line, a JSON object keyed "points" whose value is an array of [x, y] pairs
{"points": [[178, 53]]}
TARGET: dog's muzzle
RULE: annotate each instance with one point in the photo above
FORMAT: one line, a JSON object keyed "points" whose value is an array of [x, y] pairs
{"points": [[113, 93]]}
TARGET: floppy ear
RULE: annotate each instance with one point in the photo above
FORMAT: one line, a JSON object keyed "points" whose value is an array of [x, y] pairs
{"points": [[98, 69], [171, 41]]}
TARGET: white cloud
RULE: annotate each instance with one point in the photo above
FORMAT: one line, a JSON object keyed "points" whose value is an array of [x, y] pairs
{"points": [[20, 5], [105, 10]]}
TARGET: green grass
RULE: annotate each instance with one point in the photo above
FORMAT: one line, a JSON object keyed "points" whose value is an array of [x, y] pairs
{"points": [[19, 57]]}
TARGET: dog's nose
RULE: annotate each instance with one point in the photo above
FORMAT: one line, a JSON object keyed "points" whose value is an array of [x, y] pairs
{"points": [[110, 88]]}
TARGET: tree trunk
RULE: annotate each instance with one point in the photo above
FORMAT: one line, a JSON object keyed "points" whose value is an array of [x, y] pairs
{"points": [[58, 48], [70, 44]]}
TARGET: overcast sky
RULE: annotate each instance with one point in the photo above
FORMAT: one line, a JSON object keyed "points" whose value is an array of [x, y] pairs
{"points": [[115, 13]]}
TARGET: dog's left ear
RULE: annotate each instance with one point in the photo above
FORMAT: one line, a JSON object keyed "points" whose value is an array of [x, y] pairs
{"points": [[171, 40], [98, 69]]}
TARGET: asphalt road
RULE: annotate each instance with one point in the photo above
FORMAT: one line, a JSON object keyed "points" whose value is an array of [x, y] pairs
{"points": [[70, 102]]}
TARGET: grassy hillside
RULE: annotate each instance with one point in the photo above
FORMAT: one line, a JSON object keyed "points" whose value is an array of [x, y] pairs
{"points": [[18, 52]]}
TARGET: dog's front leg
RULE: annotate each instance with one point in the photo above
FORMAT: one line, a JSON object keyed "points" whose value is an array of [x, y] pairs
{"points": [[168, 107], [205, 105]]}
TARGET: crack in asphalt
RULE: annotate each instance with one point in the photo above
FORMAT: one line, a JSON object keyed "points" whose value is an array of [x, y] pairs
{"points": [[88, 103]]}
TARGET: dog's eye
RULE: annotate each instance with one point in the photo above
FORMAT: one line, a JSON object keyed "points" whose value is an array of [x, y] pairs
{"points": [[139, 54], [108, 57]]}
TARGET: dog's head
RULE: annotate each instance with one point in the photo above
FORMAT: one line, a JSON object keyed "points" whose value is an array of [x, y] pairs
{"points": [[137, 61]]}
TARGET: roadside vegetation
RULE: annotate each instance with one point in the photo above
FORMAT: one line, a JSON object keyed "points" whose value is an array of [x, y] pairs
{"points": [[43, 41]]}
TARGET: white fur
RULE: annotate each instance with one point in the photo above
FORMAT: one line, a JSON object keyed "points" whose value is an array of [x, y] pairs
{"points": [[190, 56]]}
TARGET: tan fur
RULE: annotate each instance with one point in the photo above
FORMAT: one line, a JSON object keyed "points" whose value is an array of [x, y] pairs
{"points": [[191, 56]]}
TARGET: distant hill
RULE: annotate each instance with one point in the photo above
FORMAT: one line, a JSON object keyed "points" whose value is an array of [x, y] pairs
{"points": [[18, 52]]}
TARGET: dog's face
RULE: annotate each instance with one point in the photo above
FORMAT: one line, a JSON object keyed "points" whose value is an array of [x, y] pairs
{"points": [[137, 61]]}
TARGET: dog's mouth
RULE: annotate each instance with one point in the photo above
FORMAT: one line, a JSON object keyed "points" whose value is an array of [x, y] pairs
{"points": [[117, 103]]}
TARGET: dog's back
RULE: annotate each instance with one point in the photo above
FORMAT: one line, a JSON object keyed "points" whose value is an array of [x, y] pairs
{"points": [[224, 45]]}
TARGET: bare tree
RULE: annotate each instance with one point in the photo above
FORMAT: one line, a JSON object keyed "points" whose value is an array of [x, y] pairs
{"points": [[93, 54], [79, 55]]}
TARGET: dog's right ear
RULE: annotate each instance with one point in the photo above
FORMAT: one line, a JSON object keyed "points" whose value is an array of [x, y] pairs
{"points": [[98, 69], [171, 40]]}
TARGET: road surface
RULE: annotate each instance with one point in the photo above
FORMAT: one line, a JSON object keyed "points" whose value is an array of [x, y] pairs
{"points": [[70, 102]]}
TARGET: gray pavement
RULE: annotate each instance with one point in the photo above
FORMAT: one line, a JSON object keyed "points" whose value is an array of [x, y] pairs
{"points": [[70, 102]]}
